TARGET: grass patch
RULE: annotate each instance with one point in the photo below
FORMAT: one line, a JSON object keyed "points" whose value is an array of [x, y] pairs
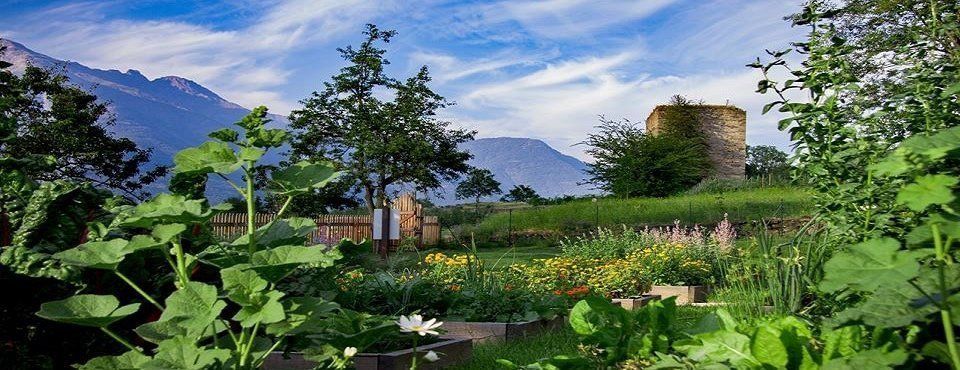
{"points": [[523, 351], [743, 205], [565, 341]]}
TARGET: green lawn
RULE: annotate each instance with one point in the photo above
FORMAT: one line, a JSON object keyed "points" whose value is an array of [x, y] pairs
{"points": [[560, 342], [741, 205]]}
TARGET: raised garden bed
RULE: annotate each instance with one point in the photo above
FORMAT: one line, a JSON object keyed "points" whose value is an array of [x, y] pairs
{"points": [[452, 350], [500, 331], [685, 293], [632, 303]]}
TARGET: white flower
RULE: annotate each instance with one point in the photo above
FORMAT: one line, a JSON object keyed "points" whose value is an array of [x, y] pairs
{"points": [[415, 324], [349, 352], [431, 356]]}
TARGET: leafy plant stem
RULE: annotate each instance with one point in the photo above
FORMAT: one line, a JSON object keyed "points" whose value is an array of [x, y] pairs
{"points": [[232, 184], [181, 265], [945, 311], [413, 359], [256, 363], [138, 290], [250, 195], [122, 341]]}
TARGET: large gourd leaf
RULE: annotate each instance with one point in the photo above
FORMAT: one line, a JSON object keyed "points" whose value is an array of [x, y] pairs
{"points": [[167, 209], [97, 255], [928, 190], [868, 266], [196, 304], [302, 177], [275, 264], [209, 157], [87, 310], [131, 360], [303, 314], [257, 304], [183, 354], [289, 231]]}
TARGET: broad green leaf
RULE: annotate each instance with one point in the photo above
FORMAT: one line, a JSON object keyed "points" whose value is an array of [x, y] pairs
{"points": [[721, 346], [302, 177], [166, 233], [166, 209], [599, 320], [869, 359], [131, 360], [938, 350], [250, 153], [842, 342], [897, 305], [266, 309], [183, 354], [928, 190], [97, 255], [197, 303], [225, 134], [87, 310], [289, 231], [211, 156], [274, 264], [247, 289], [868, 266], [767, 347], [161, 330], [932, 147], [268, 138], [303, 314]]}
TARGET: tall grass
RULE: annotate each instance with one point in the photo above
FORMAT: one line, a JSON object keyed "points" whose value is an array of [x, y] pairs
{"points": [[703, 208], [773, 273]]}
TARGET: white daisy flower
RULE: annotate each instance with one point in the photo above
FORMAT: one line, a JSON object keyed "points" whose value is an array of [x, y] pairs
{"points": [[349, 352], [415, 324]]}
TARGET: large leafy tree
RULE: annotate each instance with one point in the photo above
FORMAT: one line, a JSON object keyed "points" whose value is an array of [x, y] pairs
{"points": [[763, 160], [379, 142], [521, 193], [629, 162], [50, 130], [478, 184]]}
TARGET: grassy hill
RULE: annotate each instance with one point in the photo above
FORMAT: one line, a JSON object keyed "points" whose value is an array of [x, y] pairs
{"points": [[742, 205]]}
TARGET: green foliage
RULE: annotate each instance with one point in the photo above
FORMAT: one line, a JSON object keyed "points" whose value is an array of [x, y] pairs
{"points": [[631, 163], [379, 143], [577, 217], [478, 184], [766, 160], [522, 193], [52, 130], [193, 330]]}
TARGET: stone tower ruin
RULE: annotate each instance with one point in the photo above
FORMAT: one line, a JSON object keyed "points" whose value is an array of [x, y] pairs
{"points": [[725, 127]]}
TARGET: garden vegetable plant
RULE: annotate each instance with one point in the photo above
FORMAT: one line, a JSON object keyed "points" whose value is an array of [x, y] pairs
{"points": [[224, 310]]}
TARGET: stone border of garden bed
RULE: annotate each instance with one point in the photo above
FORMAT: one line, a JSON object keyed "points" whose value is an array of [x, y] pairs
{"points": [[685, 293], [501, 331], [633, 303], [452, 350]]}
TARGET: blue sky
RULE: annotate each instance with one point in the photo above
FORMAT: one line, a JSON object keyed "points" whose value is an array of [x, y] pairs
{"points": [[542, 69]]}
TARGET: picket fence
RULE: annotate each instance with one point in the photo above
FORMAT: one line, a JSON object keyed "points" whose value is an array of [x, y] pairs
{"points": [[332, 228]]}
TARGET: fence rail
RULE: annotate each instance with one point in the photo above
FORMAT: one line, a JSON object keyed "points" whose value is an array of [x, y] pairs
{"points": [[330, 228]]}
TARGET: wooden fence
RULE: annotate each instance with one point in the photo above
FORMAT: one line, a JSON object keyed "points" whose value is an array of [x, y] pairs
{"points": [[331, 228]]}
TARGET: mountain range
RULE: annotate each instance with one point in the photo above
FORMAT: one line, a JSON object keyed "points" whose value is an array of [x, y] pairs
{"points": [[170, 113]]}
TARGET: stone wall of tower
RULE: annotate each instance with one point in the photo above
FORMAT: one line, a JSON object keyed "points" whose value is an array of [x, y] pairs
{"points": [[726, 129]]}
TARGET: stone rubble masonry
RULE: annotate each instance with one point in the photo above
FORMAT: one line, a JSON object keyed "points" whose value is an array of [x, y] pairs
{"points": [[726, 129]]}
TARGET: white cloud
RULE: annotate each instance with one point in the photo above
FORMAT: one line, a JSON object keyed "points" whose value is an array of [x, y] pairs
{"points": [[561, 103], [242, 65], [569, 18]]}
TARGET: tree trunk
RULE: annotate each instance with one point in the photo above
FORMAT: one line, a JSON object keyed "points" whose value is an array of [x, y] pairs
{"points": [[368, 197]]}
